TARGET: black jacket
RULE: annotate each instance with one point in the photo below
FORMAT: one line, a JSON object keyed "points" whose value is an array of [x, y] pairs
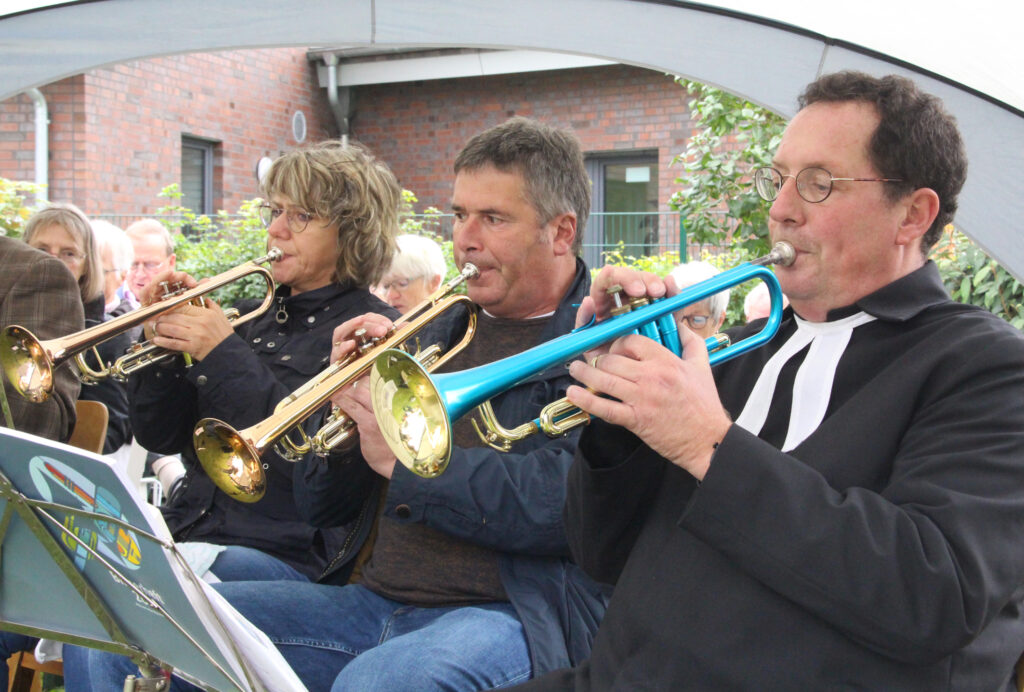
{"points": [[240, 382]]}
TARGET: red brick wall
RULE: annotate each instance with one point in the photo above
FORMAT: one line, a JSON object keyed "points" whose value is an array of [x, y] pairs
{"points": [[419, 127], [115, 134], [115, 138]]}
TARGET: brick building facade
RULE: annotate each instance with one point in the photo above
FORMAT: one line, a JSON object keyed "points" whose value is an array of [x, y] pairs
{"points": [[116, 133]]}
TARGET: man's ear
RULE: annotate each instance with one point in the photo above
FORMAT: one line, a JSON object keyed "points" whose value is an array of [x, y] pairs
{"points": [[565, 233], [170, 260], [921, 207], [434, 283]]}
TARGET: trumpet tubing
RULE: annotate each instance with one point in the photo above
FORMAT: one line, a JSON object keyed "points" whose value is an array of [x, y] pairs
{"points": [[29, 363], [232, 457], [415, 409]]}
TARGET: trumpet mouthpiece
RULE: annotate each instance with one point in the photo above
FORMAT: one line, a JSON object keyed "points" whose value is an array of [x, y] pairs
{"points": [[783, 253]]}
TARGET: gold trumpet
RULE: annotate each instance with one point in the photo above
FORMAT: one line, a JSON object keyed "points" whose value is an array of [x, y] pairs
{"points": [[415, 409], [231, 458], [29, 363]]}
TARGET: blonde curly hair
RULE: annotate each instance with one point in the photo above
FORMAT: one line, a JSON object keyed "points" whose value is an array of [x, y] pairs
{"points": [[345, 184]]}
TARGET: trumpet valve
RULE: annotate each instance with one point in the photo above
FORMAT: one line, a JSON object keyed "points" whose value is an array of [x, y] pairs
{"points": [[615, 293], [364, 342]]}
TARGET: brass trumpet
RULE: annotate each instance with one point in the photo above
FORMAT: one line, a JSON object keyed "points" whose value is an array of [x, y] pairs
{"points": [[29, 363], [415, 409], [231, 458]]}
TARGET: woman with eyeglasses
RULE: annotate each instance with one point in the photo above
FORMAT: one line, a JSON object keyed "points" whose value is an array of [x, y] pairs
{"points": [[415, 273], [64, 231], [706, 317], [332, 210]]}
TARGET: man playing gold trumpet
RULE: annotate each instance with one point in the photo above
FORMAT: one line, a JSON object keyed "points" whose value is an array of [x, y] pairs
{"points": [[468, 585], [841, 509]]}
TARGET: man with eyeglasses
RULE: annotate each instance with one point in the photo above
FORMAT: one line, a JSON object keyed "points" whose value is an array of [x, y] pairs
{"points": [[154, 253], [841, 508]]}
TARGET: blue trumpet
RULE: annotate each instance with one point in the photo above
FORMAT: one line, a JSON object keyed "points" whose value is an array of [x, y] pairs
{"points": [[415, 409]]}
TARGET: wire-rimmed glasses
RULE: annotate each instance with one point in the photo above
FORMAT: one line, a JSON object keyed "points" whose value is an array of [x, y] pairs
{"points": [[296, 218], [813, 184]]}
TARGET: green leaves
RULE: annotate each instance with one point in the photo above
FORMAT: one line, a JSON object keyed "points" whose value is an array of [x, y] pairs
{"points": [[14, 212], [734, 137], [973, 277]]}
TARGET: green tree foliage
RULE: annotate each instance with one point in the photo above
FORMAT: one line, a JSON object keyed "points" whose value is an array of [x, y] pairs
{"points": [[718, 204], [14, 210], [973, 277]]}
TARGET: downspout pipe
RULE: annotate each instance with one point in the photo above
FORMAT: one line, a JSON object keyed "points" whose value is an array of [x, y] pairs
{"points": [[42, 141], [340, 99]]}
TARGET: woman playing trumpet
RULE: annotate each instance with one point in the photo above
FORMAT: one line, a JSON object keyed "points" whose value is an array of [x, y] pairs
{"points": [[332, 211]]}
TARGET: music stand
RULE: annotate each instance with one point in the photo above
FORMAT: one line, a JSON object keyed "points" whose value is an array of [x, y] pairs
{"points": [[85, 561]]}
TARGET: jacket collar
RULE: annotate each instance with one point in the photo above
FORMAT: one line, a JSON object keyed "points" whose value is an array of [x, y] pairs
{"points": [[901, 300]]}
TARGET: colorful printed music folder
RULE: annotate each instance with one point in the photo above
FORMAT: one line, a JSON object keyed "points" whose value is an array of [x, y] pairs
{"points": [[74, 532]]}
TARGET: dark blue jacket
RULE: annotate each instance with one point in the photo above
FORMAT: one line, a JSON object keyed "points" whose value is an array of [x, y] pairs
{"points": [[510, 502]]}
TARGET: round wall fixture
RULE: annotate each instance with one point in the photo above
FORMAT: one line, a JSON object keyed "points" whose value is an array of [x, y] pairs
{"points": [[299, 126], [262, 166]]}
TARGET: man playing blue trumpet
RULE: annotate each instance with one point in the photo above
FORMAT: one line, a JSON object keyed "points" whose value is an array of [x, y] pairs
{"points": [[843, 508]]}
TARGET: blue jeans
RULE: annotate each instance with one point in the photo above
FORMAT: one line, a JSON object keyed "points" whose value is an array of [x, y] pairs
{"points": [[342, 638], [239, 563]]}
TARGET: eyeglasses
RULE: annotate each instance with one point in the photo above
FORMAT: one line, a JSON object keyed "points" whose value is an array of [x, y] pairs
{"points": [[146, 267], [697, 321], [397, 284], [297, 220], [813, 184]]}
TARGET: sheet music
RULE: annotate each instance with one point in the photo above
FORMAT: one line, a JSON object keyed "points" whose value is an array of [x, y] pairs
{"points": [[130, 562]]}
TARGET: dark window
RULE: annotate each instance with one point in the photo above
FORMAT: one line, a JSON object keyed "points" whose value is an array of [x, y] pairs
{"points": [[197, 174], [624, 206]]}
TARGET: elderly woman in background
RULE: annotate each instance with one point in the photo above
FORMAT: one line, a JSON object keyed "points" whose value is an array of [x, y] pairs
{"points": [[704, 318], [116, 255], [415, 273], [64, 231], [333, 213]]}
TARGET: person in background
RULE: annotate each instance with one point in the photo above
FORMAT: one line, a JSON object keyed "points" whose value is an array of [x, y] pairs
{"points": [[416, 272], [705, 317], [758, 303], [117, 255], [64, 231], [153, 253], [842, 508]]}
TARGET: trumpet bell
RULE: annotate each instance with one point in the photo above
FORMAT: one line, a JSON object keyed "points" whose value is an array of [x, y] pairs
{"points": [[416, 417], [26, 364], [230, 462]]}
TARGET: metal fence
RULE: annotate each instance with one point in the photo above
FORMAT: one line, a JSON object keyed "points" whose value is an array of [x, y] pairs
{"points": [[632, 234]]}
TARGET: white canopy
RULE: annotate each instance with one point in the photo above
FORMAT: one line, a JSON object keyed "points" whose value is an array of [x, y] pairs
{"points": [[969, 54]]}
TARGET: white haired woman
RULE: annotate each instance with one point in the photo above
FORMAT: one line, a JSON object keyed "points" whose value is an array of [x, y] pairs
{"points": [[704, 318], [416, 271]]}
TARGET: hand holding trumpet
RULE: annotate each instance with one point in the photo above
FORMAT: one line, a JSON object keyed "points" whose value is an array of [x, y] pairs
{"points": [[670, 403], [355, 400], [189, 328]]}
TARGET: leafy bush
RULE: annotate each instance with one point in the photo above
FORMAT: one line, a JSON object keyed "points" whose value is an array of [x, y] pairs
{"points": [[14, 211], [206, 246], [973, 277], [718, 203]]}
